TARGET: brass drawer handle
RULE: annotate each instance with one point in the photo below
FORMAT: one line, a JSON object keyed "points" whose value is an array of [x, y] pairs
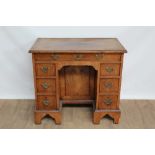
{"points": [[99, 56], [55, 56], [108, 101], [45, 85], [44, 69], [46, 102], [78, 56], [108, 84], [109, 69]]}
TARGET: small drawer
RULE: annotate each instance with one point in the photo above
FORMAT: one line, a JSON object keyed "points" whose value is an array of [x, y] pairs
{"points": [[45, 69], [111, 57], [67, 57], [110, 69], [46, 103], [78, 57], [108, 102], [46, 86], [42, 57], [109, 85]]}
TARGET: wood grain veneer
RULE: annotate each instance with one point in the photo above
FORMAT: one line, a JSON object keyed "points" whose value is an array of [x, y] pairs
{"points": [[77, 70]]}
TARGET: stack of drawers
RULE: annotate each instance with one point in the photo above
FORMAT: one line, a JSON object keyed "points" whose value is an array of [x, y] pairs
{"points": [[109, 84], [45, 87], [109, 88]]}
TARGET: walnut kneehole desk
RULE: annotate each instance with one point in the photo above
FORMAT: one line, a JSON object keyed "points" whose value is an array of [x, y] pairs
{"points": [[77, 71]]}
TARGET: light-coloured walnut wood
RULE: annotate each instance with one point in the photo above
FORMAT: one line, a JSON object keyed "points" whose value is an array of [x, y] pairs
{"points": [[81, 79], [109, 85], [45, 102], [80, 56], [110, 69], [108, 102], [98, 115], [46, 86], [39, 115], [77, 44], [77, 69], [45, 70]]}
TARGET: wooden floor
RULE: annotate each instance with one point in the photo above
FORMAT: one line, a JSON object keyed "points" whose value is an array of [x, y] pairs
{"points": [[19, 114]]}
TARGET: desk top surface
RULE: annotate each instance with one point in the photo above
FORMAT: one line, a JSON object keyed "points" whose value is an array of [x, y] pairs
{"points": [[47, 45]]}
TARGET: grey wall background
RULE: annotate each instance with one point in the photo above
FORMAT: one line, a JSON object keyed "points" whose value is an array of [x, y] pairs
{"points": [[16, 78]]}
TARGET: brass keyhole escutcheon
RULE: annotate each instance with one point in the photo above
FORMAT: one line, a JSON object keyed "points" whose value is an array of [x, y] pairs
{"points": [[55, 56], [46, 102], [44, 69], [109, 69], [45, 85], [78, 56], [108, 101], [108, 84], [99, 56]]}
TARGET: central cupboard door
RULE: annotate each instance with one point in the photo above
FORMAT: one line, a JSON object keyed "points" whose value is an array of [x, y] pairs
{"points": [[77, 83]]}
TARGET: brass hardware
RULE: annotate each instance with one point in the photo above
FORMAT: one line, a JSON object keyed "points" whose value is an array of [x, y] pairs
{"points": [[108, 85], [45, 85], [46, 102], [99, 56], [78, 56], [108, 101], [109, 69], [44, 69], [55, 56]]}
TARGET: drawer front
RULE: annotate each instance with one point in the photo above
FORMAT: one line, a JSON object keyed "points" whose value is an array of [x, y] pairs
{"points": [[42, 57], [110, 69], [109, 85], [45, 69], [46, 102], [108, 102], [46, 86], [79, 57], [111, 57]]}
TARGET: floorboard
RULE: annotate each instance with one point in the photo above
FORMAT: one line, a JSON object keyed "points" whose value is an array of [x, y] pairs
{"points": [[136, 114]]}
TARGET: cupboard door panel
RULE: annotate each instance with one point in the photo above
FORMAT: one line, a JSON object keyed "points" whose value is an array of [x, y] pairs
{"points": [[77, 82]]}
